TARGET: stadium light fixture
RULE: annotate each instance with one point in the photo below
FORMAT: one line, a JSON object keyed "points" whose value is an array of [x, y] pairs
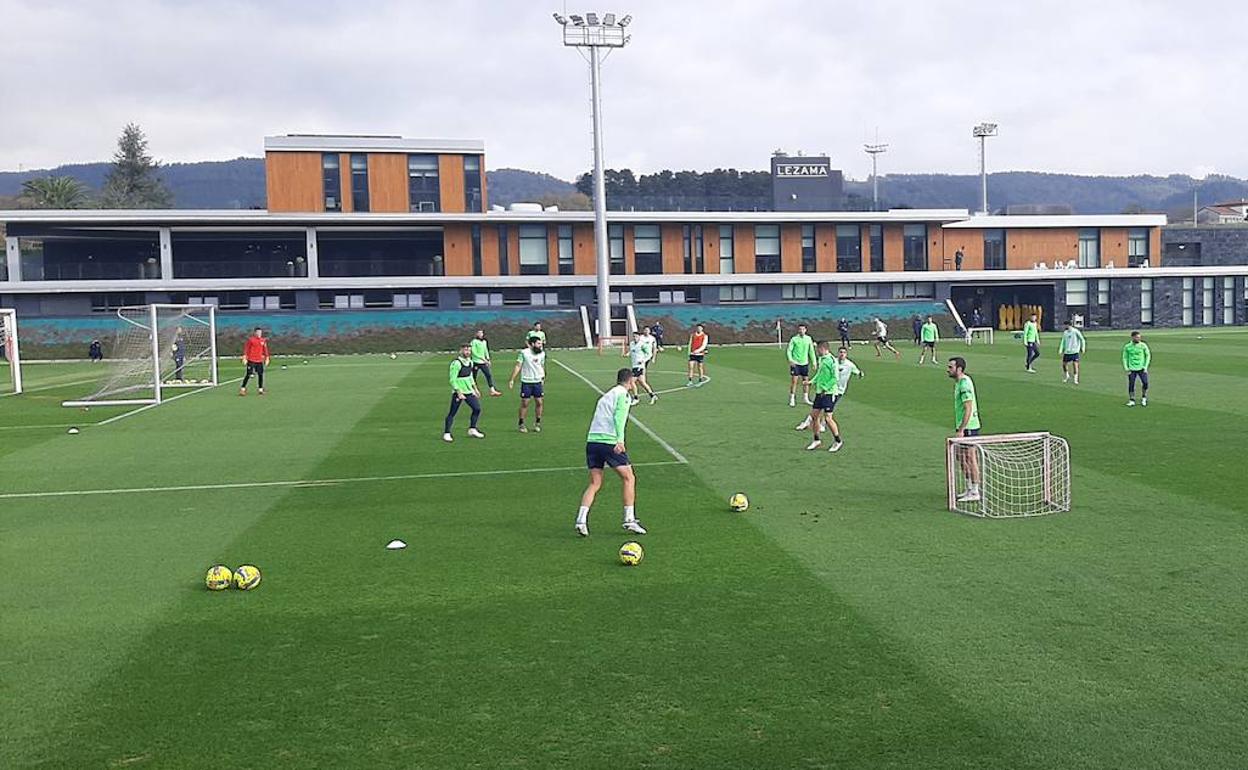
{"points": [[982, 132], [628, 19], [874, 151], [594, 37], [561, 19]]}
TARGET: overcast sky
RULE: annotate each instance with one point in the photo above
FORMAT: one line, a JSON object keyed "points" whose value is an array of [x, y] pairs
{"points": [[1090, 86]]}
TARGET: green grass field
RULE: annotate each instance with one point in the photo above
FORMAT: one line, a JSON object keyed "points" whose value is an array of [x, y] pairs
{"points": [[846, 620]]}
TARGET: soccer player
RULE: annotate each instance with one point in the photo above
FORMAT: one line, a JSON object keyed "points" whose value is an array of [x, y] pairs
{"points": [[95, 352], [531, 369], [801, 354], [1136, 358], [640, 354], [536, 333], [179, 355], [1031, 339], [699, 341], [966, 423], [881, 338], [256, 357], [463, 390], [481, 360], [657, 331], [831, 382], [916, 326], [929, 335], [842, 328], [605, 447], [1073, 346]]}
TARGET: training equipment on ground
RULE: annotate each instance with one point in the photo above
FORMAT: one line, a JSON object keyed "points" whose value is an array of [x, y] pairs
{"points": [[739, 502], [218, 578], [1021, 474], [72, 431], [631, 554], [142, 361], [392, 357], [246, 577], [396, 545], [10, 351]]}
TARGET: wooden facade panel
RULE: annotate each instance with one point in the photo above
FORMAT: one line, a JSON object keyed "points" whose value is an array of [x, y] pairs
{"points": [[552, 249], [674, 248], [344, 171], [293, 181], [513, 250], [485, 199], [864, 238], [791, 248], [971, 242], [630, 251], [489, 250], [892, 249], [387, 182], [710, 249], [825, 248], [1027, 248], [936, 255], [1154, 247], [1114, 246], [743, 248], [457, 249], [583, 250], [451, 183]]}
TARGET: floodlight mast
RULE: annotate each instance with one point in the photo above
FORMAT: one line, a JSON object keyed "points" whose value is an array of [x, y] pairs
{"points": [[592, 33], [874, 151], [982, 132]]}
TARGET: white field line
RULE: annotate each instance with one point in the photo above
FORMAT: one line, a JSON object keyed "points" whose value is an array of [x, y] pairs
{"points": [[300, 482], [670, 449], [35, 427], [682, 388], [52, 386], [132, 412]]}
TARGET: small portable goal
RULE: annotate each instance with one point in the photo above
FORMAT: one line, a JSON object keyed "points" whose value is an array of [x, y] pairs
{"points": [[10, 350], [1017, 475]]}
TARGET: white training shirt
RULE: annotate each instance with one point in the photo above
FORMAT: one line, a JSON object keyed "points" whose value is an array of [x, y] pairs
{"points": [[532, 365], [638, 353], [880, 329], [844, 369]]}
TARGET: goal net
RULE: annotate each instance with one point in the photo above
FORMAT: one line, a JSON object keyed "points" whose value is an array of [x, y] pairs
{"points": [[1008, 475], [10, 353], [157, 348]]}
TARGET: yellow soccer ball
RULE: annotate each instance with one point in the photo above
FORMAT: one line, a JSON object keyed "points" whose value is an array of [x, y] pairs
{"points": [[739, 502], [631, 554], [218, 578], [246, 577]]}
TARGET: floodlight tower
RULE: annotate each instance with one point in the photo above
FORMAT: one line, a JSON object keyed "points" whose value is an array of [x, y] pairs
{"points": [[982, 132], [594, 33], [874, 151]]}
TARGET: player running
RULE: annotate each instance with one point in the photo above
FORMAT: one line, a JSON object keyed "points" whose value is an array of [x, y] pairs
{"points": [[1136, 358], [481, 361], [831, 382], [699, 341], [256, 357], [640, 354], [531, 369], [463, 390], [1073, 346], [1031, 339], [929, 335], [605, 447], [881, 338], [801, 355], [966, 423]]}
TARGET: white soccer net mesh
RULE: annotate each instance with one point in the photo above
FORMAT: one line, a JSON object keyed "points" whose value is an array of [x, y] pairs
{"points": [[1008, 475], [10, 357], [158, 347]]}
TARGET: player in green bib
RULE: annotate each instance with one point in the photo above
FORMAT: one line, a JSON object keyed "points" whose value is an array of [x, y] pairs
{"points": [[481, 360], [535, 333], [1073, 346], [830, 382], [801, 356], [1031, 340], [929, 335], [1136, 358], [966, 423]]}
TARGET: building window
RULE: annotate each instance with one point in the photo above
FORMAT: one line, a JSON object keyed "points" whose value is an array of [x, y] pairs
{"points": [[1077, 295], [487, 299], [1089, 247], [808, 249], [738, 293], [103, 303], [473, 199], [359, 182], [540, 298], [1206, 301], [1102, 292], [476, 250], [423, 190], [767, 248], [799, 292], [686, 233], [615, 239], [994, 249], [914, 290], [699, 250], [1188, 300], [504, 263], [914, 247], [620, 298], [567, 264], [694, 259], [727, 264], [1146, 302], [411, 300], [1228, 300], [848, 249], [331, 181], [857, 291], [673, 297], [284, 301], [534, 257], [877, 248], [647, 250], [1137, 246]]}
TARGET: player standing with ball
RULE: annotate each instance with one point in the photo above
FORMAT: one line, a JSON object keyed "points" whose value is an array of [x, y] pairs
{"points": [[605, 447]]}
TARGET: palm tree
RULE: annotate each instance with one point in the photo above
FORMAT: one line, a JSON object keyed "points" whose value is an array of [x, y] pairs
{"points": [[54, 192]]}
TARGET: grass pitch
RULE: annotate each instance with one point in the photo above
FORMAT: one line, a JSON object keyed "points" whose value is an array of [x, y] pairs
{"points": [[846, 620]]}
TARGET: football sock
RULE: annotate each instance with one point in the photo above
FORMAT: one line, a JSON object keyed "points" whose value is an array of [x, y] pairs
{"points": [[629, 514], [582, 514]]}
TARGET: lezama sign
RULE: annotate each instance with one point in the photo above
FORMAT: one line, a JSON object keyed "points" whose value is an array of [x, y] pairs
{"points": [[801, 169]]}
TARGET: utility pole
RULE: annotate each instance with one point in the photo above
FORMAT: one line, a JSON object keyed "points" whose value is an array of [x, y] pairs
{"points": [[982, 132], [874, 151]]}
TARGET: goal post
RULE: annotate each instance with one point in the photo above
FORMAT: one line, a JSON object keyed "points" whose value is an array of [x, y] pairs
{"points": [[1009, 475], [156, 348], [10, 348]]}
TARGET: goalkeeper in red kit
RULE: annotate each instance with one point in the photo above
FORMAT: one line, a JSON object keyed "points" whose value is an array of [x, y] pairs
{"points": [[256, 357]]}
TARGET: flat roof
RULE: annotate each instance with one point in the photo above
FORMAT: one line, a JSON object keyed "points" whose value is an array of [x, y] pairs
{"points": [[369, 143], [1061, 220]]}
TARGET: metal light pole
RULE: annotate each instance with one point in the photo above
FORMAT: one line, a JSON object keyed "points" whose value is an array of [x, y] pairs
{"points": [[874, 150], [982, 132], [593, 33]]}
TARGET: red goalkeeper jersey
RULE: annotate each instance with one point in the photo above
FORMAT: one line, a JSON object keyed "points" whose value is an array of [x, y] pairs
{"points": [[256, 350]]}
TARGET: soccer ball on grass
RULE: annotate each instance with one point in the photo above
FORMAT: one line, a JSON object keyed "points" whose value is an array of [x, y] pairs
{"points": [[246, 577], [631, 554], [739, 502], [218, 578]]}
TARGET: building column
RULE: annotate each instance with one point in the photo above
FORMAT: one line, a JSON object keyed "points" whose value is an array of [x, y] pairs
{"points": [[314, 264], [166, 254], [13, 257]]}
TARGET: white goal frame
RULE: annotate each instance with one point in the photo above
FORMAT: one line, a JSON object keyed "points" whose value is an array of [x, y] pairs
{"points": [[1052, 482], [12, 346], [158, 384]]}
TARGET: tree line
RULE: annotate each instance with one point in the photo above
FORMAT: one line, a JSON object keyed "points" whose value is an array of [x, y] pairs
{"points": [[133, 182]]}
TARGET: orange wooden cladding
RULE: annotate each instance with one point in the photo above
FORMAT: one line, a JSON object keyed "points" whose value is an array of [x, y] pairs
{"points": [[1114, 246], [457, 249], [451, 183], [489, 250], [552, 249], [344, 169], [825, 248], [674, 248], [743, 248], [513, 250], [710, 248], [791, 248], [864, 235], [293, 181], [1154, 247], [630, 251], [387, 183], [971, 242], [892, 248], [1024, 249], [584, 254]]}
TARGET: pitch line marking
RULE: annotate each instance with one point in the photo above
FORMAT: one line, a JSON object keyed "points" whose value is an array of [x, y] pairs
{"points": [[658, 439], [682, 388], [52, 386], [132, 412], [301, 483]]}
